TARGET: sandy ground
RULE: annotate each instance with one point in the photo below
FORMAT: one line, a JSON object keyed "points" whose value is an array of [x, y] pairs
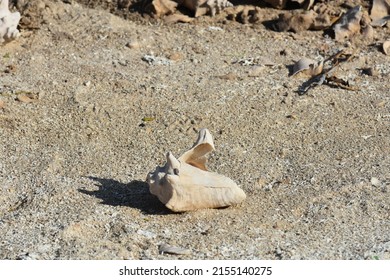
{"points": [[84, 118]]}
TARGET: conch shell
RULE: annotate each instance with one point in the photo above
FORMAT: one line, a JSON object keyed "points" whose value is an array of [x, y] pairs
{"points": [[8, 23], [184, 184]]}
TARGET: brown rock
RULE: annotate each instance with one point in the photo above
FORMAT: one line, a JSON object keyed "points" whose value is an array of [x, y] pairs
{"points": [[229, 76], [176, 56]]}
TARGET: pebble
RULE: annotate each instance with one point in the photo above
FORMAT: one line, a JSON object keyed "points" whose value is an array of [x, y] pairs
{"points": [[174, 250], [195, 61], [176, 56], [24, 98], [214, 28], [375, 182], [261, 183], [28, 256], [122, 62], [147, 234], [2, 104], [154, 60], [256, 71], [229, 76], [133, 45]]}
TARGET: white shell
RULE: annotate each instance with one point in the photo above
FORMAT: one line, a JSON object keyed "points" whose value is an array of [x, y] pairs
{"points": [[8, 23], [184, 184], [202, 7], [386, 47], [307, 66], [380, 11]]}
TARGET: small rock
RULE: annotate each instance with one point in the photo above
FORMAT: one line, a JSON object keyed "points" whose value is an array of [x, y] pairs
{"points": [[176, 56], [28, 256], [261, 183], [122, 62], [174, 250], [229, 76], [87, 83], [147, 234], [368, 33], [154, 60], [380, 104], [375, 182], [365, 137], [256, 71], [2, 104], [194, 60], [133, 45], [214, 28], [10, 69], [24, 98]]}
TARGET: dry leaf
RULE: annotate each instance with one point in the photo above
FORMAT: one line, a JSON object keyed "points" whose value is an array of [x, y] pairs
{"points": [[148, 119], [326, 75], [348, 24], [344, 84], [177, 18], [379, 11], [386, 47]]}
